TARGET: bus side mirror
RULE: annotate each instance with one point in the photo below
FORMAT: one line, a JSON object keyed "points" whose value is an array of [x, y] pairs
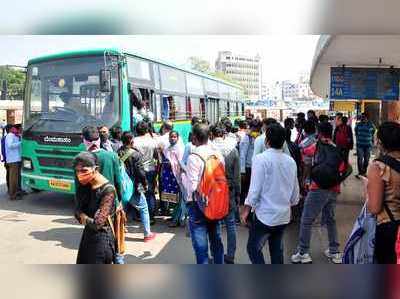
{"points": [[105, 80]]}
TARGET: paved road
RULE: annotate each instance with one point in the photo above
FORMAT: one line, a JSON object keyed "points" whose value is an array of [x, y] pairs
{"points": [[40, 229]]}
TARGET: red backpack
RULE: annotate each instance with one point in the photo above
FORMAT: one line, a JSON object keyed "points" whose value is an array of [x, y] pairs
{"points": [[212, 194]]}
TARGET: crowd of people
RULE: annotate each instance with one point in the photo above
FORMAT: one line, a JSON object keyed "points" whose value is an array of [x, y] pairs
{"points": [[259, 173]]}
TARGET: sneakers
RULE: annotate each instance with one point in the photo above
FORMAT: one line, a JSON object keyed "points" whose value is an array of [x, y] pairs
{"points": [[299, 258], [150, 237], [335, 258]]}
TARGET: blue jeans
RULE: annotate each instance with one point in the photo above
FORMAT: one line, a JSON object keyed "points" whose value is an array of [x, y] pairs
{"points": [[363, 155], [203, 232], [230, 222], [259, 233], [150, 193], [315, 202], [138, 201]]}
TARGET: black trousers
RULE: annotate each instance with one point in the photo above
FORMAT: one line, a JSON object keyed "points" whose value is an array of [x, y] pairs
{"points": [[385, 242], [96, 247], [245, 185]]}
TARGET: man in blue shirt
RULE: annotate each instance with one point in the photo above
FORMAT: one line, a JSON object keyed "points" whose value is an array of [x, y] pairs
{"points": [[365, 131], [13, 160]]}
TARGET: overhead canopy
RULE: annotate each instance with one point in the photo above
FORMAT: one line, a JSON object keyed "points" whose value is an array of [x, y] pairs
{"points": [[351, 51]]}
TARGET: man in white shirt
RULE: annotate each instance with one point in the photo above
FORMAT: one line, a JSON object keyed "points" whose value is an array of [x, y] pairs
{"points": [[147, 146], [104, 137], [13, 159], [273, 190], [259, 143], [202, 231]]}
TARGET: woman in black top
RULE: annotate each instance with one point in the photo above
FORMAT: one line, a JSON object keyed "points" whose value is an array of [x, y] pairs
{"points": [[97, 245]]}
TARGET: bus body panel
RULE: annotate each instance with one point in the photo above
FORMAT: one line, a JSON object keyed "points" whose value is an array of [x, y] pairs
{"points": [[52, 166]]}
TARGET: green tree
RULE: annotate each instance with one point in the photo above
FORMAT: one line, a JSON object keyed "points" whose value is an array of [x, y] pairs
{"points": [[223, 76], [15, 82], [199, 64]]}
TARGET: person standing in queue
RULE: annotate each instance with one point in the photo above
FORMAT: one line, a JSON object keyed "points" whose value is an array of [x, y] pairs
{"points": [[133, 161], [105, 139], [232, 171], [343, 137], [365, 131], [147, 145], [328, 171], [97, 245], [246, 150], [13, 160], [384, 192], [6, 130], [204, 233], [109, 167], [273, 190], [116, 135]]}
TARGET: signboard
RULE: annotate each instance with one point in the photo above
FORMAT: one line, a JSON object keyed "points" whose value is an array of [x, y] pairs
{"points": [[344, 106], [364, 83]]}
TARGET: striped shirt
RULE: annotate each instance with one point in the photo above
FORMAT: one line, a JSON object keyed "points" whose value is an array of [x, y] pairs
{"points": [[365, 134]]}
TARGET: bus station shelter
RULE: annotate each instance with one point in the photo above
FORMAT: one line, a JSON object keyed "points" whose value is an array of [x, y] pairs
{"points": [[369, 69]]}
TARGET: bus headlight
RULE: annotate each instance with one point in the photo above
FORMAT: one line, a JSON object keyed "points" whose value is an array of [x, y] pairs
{"points": [[27, 164]]}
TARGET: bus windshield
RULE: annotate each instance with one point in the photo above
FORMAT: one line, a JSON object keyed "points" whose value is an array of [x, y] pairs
{"points": [[64, 95]]}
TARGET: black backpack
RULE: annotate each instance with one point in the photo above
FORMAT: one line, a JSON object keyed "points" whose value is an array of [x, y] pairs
{"points": [[325, 171]]}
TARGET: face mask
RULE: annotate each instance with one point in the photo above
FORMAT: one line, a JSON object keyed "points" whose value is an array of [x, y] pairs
{"points": [[85, 178]]}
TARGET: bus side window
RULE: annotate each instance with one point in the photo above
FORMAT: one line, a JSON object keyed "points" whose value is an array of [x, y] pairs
{"points": [[196, 107], [172, 108], [189, 107]]}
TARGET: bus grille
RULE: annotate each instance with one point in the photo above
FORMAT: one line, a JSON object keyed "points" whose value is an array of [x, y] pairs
{"points": [[55, 162]]}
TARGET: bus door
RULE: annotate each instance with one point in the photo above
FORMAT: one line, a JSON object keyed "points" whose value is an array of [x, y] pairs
{"points": [[141, 99], [213, 110]]}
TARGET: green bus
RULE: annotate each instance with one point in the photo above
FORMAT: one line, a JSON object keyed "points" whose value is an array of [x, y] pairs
{"points": [[67, 91]]}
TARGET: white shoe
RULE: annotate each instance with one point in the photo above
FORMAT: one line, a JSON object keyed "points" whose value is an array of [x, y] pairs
{"points": [[335, 258], [299, 258]]}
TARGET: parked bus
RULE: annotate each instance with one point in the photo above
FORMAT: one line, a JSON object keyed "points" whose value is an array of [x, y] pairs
{"points": [[67, 91]]}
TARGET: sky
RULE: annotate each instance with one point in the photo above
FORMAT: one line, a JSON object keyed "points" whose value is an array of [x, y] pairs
{"points": [[284, 57]]}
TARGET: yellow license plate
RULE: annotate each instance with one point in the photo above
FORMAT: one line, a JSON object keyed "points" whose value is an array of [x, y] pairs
{"points": [[61, 185]]}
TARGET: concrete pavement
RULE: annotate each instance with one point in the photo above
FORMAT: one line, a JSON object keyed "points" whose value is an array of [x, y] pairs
{"points": [[41, 229]]}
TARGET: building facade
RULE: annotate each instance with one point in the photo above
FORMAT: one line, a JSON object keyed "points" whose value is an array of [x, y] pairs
{"points": [[245, 70]]}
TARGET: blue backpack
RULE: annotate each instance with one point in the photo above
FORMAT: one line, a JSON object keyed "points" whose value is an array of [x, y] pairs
{"points": [[127, 184]]}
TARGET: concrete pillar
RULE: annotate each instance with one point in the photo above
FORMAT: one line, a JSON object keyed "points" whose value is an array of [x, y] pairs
{"points": [[390, 111]]}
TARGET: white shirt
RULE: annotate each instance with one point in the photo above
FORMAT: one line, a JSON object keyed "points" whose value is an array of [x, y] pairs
{"points": [[259, 146], [147, 146], [274, 187], [13, 148], [194, 168]]}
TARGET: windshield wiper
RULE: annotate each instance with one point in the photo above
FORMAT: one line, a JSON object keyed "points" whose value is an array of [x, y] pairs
{"points": [[45, 119]]}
